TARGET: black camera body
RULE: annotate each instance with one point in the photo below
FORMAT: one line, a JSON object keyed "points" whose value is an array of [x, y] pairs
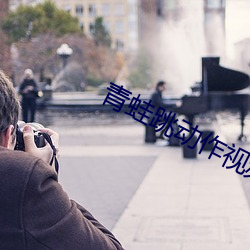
{"points": [[38, 138]]}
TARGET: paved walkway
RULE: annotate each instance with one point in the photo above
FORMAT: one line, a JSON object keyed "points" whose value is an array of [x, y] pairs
{"points": [[181, 204], [186, 204]]}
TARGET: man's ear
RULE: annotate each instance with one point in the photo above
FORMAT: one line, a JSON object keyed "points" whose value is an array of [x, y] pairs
{"points": [[7, 140]]}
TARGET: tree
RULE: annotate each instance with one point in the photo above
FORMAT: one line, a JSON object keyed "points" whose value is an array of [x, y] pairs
{"points": [[100, 33], [42, 18], [141, 75], [96, 64]]}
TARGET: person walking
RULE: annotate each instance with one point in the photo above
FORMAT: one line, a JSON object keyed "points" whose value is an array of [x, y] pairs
{"points": [[29, 92]]}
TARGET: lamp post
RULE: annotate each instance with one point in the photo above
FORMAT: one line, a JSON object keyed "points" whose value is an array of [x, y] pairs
{"points": [[64, 51]]}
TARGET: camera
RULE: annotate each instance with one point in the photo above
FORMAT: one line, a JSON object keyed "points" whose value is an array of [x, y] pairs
{"points": [[38, 137]]}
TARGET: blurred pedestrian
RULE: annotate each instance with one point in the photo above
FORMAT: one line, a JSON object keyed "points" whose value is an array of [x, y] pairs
{"points": [[157, 101], [29, 91]]}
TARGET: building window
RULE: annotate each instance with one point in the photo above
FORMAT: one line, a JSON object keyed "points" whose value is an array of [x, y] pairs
{"points": [[106, 9], [67, 8], [119, 44], [92, 10], [79, 10], [119, 9], [82, 26], [91, 27], [119, 26]]}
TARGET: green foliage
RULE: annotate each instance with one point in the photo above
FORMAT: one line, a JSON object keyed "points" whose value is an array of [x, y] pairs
{"points": [[100, 33], [141, 75], [42, 18], [93, 81]]}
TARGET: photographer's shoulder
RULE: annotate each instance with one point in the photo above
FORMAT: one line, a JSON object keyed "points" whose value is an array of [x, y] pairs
{"points": [[17, 161]]}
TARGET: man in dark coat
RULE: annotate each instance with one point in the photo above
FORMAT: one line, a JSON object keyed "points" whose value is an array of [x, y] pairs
{"points": [[157, 101], [35, 212], [156, 97], [29, 91]]}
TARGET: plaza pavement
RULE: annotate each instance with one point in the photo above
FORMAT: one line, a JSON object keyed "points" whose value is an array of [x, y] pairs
{"points": [[181, 204]]}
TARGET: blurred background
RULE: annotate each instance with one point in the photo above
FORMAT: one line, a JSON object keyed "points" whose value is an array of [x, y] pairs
{"points": [[134, 42], [76, 48]]}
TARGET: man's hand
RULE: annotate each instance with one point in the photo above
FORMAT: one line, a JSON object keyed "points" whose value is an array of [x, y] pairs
{"points": [[45, 153], [28, 89]]}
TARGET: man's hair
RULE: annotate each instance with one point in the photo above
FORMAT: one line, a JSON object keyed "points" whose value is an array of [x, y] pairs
{"points": [[159, 84], [9, 104]]}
